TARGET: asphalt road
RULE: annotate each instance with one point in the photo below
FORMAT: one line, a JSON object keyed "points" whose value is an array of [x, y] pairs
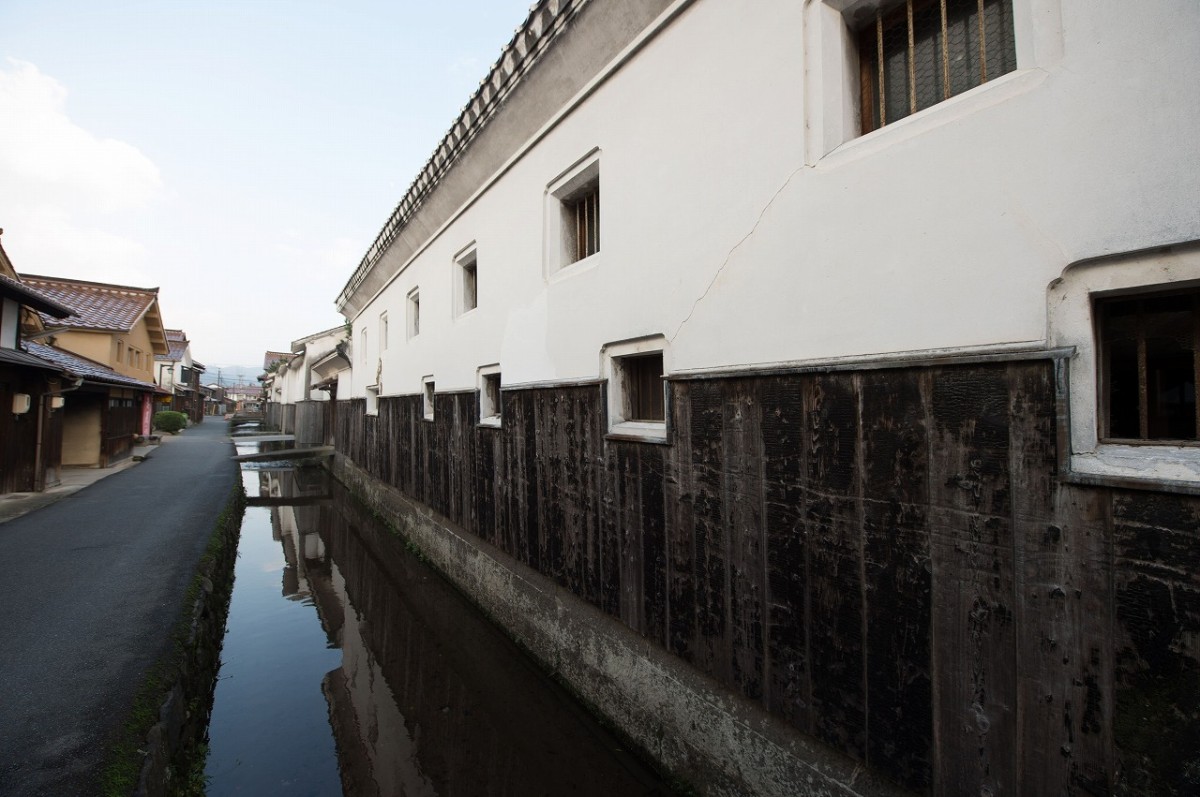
{"points": [[92, 587]]}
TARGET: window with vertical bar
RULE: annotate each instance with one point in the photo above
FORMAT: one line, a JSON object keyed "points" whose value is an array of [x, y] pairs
{"points": [[921, 52], [414, 313], [582, 218], [1150, 366], [572, 232], [642, 385]]}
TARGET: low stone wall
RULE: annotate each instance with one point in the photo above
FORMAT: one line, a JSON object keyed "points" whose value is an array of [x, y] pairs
{"points": [[697, 730], [172, 743]]}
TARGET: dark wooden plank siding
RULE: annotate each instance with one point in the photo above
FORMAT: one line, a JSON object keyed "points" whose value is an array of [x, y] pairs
{"points": [[709, 534], [743, 488], [886, 559], [1156, 541], [897, 572], [783, 441], [974, 646]]}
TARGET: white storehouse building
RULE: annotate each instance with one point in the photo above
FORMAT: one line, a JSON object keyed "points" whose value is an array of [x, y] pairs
{"points": [[821, 375]]}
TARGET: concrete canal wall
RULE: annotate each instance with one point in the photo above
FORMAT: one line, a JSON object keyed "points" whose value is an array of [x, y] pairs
{"points": [[826, 581], [189, 675]]}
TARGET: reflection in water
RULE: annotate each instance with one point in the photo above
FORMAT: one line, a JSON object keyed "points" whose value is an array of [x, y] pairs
{"points": [[376, 677]]}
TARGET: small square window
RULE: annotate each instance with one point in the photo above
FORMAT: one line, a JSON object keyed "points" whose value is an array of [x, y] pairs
{"points": [[642, 387], [637, 388], [414, 313], [573, 214], [427, 398], [372, 407], [489, 396], [1148, 366], [917, 53], [466, 285]]}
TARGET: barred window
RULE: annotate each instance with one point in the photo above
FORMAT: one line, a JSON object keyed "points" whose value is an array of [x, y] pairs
{"points": [[1150, 358], [642, 386], [489, 397], [925, 51], [414, 313], [583, 220]]}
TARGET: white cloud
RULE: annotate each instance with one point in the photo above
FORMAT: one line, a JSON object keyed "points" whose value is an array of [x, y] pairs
{"points": [[62, 188]]}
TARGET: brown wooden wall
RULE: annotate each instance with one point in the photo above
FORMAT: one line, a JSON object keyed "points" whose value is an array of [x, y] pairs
{"points": [[122, 420], [886, 559], [18, 433]]}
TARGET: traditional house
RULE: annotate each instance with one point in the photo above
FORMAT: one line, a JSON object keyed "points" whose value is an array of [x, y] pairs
{"points": [[113, 340], [214, 399], [31, 388], [244, 398], [298, 389], [813, 384], [178, 374]]}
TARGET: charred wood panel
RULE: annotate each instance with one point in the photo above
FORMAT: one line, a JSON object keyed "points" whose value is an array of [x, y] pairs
{"points": [[709, 534], [897, 571], [679, 501], [743, 503], [783, 442], [1156, 541], [887, 559], [833, 525], [974, 645], [1063, 609]]}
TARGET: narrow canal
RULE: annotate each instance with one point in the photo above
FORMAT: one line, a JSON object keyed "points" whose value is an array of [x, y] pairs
{"points": [[349, 667]]}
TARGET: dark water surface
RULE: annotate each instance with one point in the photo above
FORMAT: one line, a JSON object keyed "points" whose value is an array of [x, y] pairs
{"points": [[350, 667]]}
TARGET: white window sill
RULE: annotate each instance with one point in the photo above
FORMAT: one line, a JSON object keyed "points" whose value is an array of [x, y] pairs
{"points": [[492, 421], [1163, 465], [642, 431], [578, 267], [948, 111]]}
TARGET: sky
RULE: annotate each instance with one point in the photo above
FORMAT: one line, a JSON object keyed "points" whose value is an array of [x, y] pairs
{"points": [[239, 156]]}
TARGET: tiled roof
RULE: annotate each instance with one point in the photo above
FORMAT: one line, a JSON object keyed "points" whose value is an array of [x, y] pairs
{"points": [[18, 357], [90, 370], [30, 297], [546, 20], [97, 306], [177, 344], [272, 357]]}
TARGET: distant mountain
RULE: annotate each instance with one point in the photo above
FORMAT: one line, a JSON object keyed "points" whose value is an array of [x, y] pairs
{"points": [[231, 374]]}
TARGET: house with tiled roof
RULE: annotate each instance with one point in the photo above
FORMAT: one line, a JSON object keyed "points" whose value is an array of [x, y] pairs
{"points": [[112, 340], [31, 388], [179, 374], [270, 359], [299, 389]]}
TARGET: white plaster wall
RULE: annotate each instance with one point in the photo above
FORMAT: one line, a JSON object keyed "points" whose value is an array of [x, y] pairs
{"points": [[942, 231]]}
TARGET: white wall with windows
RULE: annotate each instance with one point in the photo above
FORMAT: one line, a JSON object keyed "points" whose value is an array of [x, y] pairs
{"points": [[746, 222]]}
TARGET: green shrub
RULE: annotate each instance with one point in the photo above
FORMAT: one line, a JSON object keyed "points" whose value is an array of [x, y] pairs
{"points": [[170, 421]]}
